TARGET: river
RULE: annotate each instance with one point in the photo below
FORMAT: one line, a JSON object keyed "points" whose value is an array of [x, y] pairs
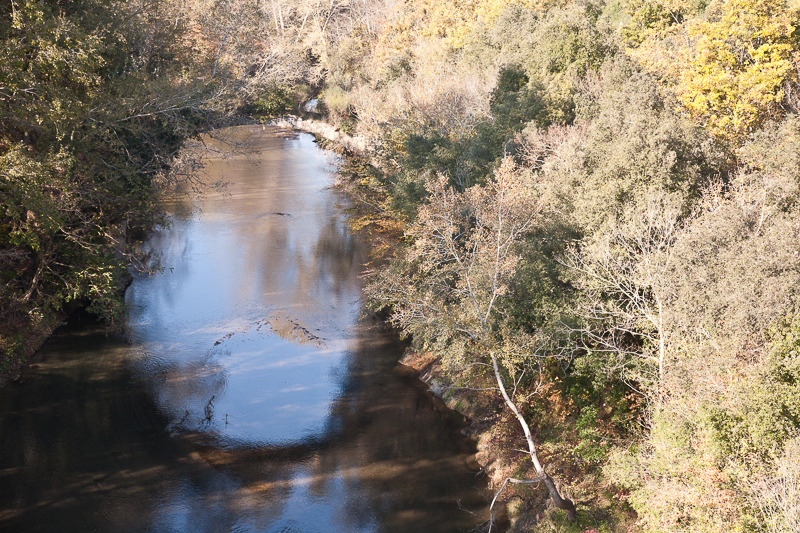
{"points": [[250, 392]]}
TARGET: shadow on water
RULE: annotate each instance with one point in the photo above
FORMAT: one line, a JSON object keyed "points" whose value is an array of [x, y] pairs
{"points": [[83, 447], [378, 445], [250, 396]]}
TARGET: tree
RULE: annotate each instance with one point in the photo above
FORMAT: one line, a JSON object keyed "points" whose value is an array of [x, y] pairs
{"points": [[729, 66], [741, 60], [728, 403], [447, 288], [623, 282], [96, 100]]}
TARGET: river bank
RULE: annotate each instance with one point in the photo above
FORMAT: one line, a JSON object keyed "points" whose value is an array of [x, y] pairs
{"points": [[496, 440], [323, 130], [481, 408], [30, 340]]}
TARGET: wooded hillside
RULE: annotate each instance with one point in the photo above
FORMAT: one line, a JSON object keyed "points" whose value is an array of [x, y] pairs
{"points": [[639, 292]]}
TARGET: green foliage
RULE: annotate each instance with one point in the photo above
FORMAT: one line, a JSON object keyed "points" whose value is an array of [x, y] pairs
{"points": [[30, 191], [446, 289], [94, 106], [718, 447], [570, 45], [735, 271], [668, 477], [399, 64], [568, 42], [771, 162], [513, 104], [541, 298], [273, 101], [784, 358], [553, 52], [592, 447], [654, 19], [756, 429], [510, 80], [635, 142], [763, 413], [336, 99]]}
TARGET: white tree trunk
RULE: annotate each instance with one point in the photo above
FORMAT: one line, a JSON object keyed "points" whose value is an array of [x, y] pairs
{"points": [[558, 500]]}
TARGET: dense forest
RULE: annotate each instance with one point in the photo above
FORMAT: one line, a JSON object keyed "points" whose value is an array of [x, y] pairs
{"points": [[588, 212]]}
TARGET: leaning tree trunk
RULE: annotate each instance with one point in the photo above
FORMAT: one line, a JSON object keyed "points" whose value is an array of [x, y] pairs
{"points": [[560, 502]]}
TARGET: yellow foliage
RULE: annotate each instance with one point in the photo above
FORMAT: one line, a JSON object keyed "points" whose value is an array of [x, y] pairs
{"points": [[728, 67], [449, 20], [741, 58]]}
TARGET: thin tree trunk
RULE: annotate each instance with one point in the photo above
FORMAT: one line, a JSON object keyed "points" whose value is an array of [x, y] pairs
{"points": [[275, 18], [303, 25], [35, 281], [502, 487], [662, 349], [560, 502]]}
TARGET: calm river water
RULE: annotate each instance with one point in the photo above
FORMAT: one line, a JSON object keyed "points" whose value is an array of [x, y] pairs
{"points": [[249, 393]]}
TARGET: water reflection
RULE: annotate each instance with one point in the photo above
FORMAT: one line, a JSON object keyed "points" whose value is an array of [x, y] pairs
{"points": [[259, 300], [251, 397]]}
